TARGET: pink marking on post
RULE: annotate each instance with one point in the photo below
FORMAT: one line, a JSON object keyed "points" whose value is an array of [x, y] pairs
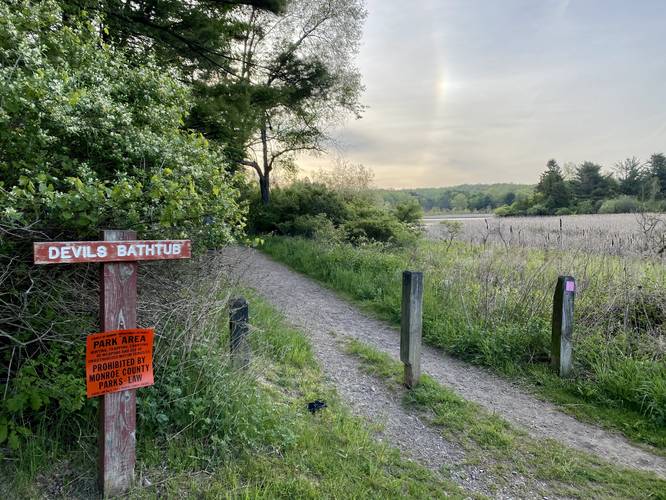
{"points": [[571, 286]]}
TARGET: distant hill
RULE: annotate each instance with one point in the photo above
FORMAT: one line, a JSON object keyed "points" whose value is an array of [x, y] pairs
{"points": [[462, 198]]}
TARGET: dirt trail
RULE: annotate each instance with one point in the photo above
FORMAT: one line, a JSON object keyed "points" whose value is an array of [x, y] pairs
{"points": [[327, 319]]}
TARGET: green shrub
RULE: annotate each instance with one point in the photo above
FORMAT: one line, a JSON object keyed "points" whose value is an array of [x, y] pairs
{"points": [[312, 226], [586, 207], [620, 205], [506, 211], [299, 200], [409, 211], [88, 140], [564, 211], [313, 210], [538, 209]]}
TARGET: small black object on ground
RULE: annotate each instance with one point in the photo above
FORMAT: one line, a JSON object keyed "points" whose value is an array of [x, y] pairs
{"points": [[316, 405]]}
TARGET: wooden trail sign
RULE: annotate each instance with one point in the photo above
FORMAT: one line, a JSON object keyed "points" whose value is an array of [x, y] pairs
{"points": [[119, 253], [110, 251]]}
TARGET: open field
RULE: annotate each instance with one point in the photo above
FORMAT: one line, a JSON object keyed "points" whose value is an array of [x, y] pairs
{"points": [[492, 306], [612, 234]]}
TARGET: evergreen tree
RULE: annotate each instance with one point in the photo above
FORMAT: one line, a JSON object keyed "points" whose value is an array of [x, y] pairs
{"points": [[553, 188], [590, 186], [631, 177], [657, 169]]}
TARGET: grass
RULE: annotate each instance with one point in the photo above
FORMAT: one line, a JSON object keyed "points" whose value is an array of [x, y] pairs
{"points": [[207, 431], [546, 466], [492, 305], [613, 234]]}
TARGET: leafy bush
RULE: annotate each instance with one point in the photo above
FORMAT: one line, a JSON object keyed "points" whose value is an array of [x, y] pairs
{"points": [[505, 211], [538, 209], [620, 205], [87, 141], [409, 211], [299, 200], [313, 210], [586, 207], [564, 211], [312, 226]]}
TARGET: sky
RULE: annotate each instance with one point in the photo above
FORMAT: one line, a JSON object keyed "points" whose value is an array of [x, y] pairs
{"points": [[481, 91]]}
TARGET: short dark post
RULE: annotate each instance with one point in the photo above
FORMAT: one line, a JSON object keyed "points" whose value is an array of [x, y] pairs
{"points": [[410, 326], [561, 357], [238, 328]]}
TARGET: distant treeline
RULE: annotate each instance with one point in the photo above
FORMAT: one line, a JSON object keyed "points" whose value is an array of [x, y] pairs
{"points": [[582, 189], [463, 198], [633, 186]]}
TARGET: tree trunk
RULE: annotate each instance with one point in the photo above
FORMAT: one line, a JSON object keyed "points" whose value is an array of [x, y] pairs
{"points": [[264, 185], [265, 179]]}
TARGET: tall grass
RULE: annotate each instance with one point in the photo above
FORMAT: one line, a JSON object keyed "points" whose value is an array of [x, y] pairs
{"points": [[492, 306], [639, 234]]}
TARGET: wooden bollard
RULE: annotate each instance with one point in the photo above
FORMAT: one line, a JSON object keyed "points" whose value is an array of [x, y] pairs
{"points": [[411, 325], [238, 330], [561, 357]]}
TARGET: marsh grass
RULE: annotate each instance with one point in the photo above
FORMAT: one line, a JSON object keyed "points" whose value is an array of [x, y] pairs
{"points": [[637, 234], [492, 306]]}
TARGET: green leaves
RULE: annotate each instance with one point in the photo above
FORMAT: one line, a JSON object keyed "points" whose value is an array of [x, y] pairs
{"points": [[99, 139], [3, 430], [88, 139]]}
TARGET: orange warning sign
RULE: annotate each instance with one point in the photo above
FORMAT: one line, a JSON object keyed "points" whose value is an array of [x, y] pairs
{"points": [[119, 360]]}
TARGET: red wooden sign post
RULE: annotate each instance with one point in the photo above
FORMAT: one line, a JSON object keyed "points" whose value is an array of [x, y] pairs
{"points": [[119, 252]]}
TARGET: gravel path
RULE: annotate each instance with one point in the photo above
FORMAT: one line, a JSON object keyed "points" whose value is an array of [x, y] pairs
{"points": [[327, 319]]}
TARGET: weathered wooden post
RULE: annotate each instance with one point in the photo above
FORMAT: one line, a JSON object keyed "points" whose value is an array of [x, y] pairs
{"points": [[117, 411], [410, 325], [561, 357], [238, 330], [116, 373]]}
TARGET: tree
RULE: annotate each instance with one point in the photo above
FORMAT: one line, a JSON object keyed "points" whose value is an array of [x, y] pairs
{"points": [[196, 40], [480, 201], [631, 176], [459, 202], [193, 36], [444, 201], [299, 73], [589, 185], [509, 198], [656, 167], [88, 139], [265, 85], [553, 188]]}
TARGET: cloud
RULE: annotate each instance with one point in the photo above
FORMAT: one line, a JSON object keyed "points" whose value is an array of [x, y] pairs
{"points": [[486, 91]]}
